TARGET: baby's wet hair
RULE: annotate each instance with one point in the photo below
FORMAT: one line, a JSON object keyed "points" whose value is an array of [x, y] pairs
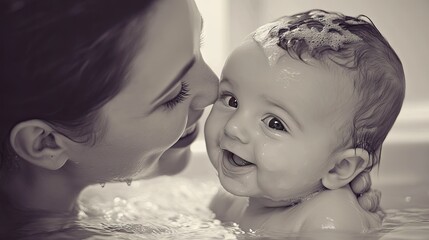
{"points": [[356, 45]]}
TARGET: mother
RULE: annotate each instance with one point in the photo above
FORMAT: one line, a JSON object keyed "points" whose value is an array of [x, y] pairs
{"points": [[94, 91]]}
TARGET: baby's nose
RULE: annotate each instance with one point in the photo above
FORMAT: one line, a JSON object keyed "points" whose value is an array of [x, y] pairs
{"points": [[237, 129]]}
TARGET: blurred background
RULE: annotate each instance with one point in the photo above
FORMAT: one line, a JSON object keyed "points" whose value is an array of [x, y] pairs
{"points": [[404, 23]]}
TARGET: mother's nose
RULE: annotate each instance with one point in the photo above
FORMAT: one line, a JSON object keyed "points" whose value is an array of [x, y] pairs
{"points": [[237, 127], [206, 88]]}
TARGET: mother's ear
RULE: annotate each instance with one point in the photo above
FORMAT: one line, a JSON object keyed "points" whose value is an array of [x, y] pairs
{"points": [[38, 143], [348, 164]]}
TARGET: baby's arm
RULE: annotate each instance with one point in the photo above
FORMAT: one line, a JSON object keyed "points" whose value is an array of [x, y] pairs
{"points": [[227, 207]]}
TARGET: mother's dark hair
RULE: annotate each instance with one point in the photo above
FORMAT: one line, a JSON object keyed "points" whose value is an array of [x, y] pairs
{"points": [[61, 60]]}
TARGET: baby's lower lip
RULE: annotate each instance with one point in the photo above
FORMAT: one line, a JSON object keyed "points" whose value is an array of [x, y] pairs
{"points": [[188, 137]]}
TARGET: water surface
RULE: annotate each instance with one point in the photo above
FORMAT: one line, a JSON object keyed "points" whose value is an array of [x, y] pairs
{"points": [[176, 208]]}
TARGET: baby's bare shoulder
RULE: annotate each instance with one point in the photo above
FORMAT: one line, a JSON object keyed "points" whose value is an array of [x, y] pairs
{"points": [[228, 207], [338, 210]]}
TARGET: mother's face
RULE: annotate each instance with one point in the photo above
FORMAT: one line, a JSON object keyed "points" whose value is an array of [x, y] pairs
{"points": [[151, 122]]}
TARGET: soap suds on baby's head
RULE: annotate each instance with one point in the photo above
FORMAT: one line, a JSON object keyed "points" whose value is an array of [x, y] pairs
{"points": [[332, 34], [322, 30]]}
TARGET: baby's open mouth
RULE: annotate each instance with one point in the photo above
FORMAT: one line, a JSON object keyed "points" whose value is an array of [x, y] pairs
{"points": [[236, 160]]}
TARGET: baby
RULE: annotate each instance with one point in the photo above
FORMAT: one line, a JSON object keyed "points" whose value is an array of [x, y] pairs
{"points": [[304, 106]]}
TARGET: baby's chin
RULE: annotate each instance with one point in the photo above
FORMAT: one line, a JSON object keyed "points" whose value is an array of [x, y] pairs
{"points": [[255, 194], [258, 200], [237, 188]]}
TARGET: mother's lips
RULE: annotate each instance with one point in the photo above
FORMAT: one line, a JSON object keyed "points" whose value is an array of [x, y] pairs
{"points": [[187, 137]]}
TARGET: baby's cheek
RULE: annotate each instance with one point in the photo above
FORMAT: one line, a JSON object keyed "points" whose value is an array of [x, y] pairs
{"points": [[214, 126], [211, 133], [270, 156]]}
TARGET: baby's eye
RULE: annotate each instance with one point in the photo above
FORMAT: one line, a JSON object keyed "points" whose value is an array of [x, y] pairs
{"points": [[229, 100], [274, 123]]}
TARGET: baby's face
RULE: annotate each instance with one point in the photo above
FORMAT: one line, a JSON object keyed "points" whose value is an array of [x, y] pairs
{"points": [[274, 129]]}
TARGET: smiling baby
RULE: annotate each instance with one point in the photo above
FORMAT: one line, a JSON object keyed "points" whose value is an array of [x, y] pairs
{"points": [[304, 106]]}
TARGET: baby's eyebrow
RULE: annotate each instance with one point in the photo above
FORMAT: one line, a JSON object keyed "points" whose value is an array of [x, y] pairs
{"points": [[284, 108]]}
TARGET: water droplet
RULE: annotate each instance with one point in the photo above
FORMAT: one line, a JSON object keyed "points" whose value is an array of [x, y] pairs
{"points": [[102, 184], [129, 181]]}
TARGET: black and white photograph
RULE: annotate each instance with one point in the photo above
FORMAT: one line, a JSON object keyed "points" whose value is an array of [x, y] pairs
{"points": [[222, 119]]}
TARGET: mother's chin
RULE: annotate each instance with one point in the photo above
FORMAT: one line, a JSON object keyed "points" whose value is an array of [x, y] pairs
{"points": [[174, 160]]}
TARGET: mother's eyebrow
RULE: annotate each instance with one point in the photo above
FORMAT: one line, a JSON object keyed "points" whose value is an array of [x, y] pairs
{"points": [[178, 77]]}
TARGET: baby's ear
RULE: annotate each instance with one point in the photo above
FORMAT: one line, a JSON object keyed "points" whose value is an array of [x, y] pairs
{"points": [[39, 144], [348, 164]]}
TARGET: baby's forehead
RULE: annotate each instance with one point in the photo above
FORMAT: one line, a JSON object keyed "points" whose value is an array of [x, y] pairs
{"points": [[289, 70]]}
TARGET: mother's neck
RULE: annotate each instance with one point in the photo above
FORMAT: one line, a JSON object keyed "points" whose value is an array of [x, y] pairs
{"points": [[31, 188]]}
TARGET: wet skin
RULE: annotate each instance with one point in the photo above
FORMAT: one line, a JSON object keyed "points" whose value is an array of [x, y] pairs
{"points": [[272, 134]]}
